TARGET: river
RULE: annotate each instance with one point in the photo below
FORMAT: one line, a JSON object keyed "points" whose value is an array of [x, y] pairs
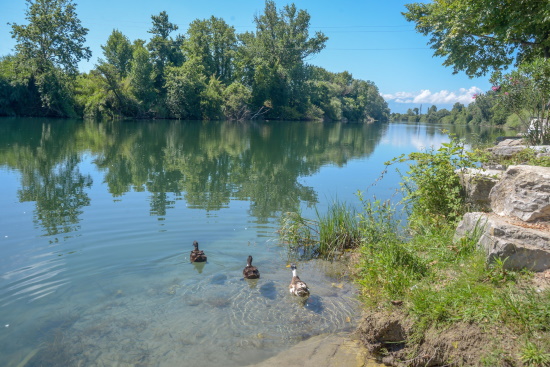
{"points": [[98, 220]]}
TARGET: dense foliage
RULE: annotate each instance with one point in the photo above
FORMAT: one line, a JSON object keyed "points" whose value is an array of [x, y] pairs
{"points": [[487, 36], [211, 72], [480, 36]]}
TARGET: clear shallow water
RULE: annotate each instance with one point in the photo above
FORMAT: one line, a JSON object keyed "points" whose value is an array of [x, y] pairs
{"points": [[97, 222]]}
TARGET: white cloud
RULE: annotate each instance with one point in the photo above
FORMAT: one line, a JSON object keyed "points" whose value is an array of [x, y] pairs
{"points": [[463, 96]]}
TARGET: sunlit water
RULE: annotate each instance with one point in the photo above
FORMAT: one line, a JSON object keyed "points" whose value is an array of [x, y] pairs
{"points": [[97, 221]]}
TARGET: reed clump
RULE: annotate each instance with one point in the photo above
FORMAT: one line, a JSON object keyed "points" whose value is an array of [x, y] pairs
{"points": [[327, 236]]}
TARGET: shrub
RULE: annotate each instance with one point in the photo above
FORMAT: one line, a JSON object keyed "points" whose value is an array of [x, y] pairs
{"points": [[432, 187]]}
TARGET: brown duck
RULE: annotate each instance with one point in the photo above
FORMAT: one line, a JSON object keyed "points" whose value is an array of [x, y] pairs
{"points": [[250, 272], [197, 255]]}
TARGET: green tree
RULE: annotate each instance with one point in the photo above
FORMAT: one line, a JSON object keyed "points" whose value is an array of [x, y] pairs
{"points": [[165, 51], [141, 76], [53, 36], [212, 100], [118, 52], [525, 92], [236, 102], [48, 50], [184, 86], [18, 96], [271, 60], [213, 42], [478, 36]]}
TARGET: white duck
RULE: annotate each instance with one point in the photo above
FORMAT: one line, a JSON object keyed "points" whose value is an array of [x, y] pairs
{"points": [[297, 287]]}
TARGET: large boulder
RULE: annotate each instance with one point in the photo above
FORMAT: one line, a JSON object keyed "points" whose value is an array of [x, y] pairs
{"points": [[523, 192], [508, 147], [521, 245], [477, 184]]}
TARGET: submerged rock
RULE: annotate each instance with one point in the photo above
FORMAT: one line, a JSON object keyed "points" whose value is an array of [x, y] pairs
{"points": [[327, 350]]}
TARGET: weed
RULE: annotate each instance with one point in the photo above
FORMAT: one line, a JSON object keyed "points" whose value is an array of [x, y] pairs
{"points": [[533, 355]]}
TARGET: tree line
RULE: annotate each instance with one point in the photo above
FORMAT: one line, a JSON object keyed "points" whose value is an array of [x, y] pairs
{"points": [[210, 72], [485, 109]]}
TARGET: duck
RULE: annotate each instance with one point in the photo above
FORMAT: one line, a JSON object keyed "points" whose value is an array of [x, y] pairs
{"points": [[197, 255], [249, 271], [297, 287]]}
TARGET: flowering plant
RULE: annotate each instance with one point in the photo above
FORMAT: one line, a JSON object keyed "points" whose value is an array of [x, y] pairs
{"points": [[526, 93]]}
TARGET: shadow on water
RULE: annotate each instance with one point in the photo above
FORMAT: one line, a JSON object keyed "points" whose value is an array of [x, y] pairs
{"points": [[269, 291], [219, 279], [314, 303]]}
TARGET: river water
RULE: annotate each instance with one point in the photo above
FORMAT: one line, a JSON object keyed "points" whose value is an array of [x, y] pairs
{"points": [[97, 221]]}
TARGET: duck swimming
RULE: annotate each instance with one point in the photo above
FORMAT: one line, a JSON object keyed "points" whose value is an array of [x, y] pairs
{"points": [[297, 287], [250, 272], [197, 255]]}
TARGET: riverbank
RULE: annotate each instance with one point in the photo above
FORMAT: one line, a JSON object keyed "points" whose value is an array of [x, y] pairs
{"points": [[431, 298]]}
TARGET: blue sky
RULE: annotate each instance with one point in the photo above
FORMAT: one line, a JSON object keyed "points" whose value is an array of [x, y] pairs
{"points": [[368, 38]]}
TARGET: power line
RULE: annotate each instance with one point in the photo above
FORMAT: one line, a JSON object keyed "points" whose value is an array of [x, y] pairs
{"points": [[377, 49]]}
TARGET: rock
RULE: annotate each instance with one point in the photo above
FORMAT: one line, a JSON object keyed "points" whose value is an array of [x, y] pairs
{"points": [[508, 147], [329, 350], [512, 141], [522, 245], [523, 192], [518, 138], [477, 184]]}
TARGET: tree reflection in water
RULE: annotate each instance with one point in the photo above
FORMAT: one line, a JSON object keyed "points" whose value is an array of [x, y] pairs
{"points": [[207, 164]]}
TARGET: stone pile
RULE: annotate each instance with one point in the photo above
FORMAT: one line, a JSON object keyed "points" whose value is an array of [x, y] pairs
{"points": [[514, 225]]}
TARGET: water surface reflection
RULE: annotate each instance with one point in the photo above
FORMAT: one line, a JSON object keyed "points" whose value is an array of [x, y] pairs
{"points": [[98, 219]]}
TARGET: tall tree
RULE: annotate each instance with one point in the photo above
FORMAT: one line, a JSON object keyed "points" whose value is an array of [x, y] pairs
{"points": [[479, 36], [213, 43], [272, 59], [48, 50], [118, 52], [165, 51], [54, 35], [141, 76]]}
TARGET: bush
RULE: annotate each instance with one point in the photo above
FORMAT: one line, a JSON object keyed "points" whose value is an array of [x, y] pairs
{"points": [[432, 188]]}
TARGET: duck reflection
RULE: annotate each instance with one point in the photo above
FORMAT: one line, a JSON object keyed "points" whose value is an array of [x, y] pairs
{"points": [[252, 283], [199, 266]]}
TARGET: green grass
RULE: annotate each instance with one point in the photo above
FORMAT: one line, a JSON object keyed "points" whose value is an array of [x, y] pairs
{"points": [[441, 281], [327, 236]]}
